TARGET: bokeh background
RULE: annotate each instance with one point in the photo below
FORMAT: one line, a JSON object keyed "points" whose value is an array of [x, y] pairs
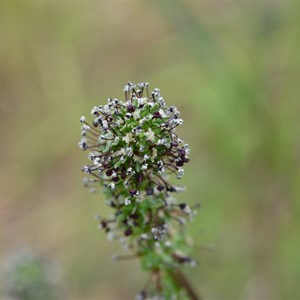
{"points": [[231, 67]]}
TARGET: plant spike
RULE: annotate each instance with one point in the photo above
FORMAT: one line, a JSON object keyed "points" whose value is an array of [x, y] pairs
{"points": [[133, 148]]}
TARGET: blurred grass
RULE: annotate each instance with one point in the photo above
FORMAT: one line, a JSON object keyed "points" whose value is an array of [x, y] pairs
{"points": [[233, 70]]}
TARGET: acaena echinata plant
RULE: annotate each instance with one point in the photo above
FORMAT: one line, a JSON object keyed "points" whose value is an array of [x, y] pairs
{"points": [[133, 148]]}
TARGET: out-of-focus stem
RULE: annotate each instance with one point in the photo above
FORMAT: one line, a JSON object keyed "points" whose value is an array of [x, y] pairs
{"points": [[181, 280]]}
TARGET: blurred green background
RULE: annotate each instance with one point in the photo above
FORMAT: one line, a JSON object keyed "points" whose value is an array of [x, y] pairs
{"points": [[232, 68]]}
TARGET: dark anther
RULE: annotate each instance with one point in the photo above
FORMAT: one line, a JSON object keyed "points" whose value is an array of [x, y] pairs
{"points": [[116, 179], [130, 108], [99, 121], [181, 152], [160, 188], [128, 231], [156, 115], [109, 172], [179, 163], [174, 144], [150, 191], [132, 192], [134, 216], [186, 160], [103, 224], [182, 206], [171, 189], [105, 165]]}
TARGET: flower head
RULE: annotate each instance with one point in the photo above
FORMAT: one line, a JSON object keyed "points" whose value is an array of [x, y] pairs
{"points": [[133, 142]]}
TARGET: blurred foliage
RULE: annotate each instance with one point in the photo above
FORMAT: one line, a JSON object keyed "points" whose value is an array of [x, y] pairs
{"points": [[232, 68], [28, 276]]}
